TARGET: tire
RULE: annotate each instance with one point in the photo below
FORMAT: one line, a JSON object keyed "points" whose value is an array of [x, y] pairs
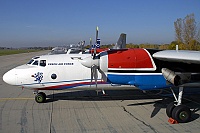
{"points": [[181, 113], [169, 109], [40, 97], [44, 95]]}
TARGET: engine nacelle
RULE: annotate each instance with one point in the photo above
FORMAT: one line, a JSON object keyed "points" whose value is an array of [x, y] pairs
{"points": [[126, 59], [171, 77], [175, 79]]}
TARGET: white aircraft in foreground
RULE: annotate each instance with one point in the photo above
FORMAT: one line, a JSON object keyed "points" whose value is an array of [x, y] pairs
{"points": [[58, 72], [141, 68]]}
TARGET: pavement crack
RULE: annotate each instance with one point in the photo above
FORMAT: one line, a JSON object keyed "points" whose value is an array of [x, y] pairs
{"points": [[1, 114], [24, 121], [144, 123], [51, 128]]}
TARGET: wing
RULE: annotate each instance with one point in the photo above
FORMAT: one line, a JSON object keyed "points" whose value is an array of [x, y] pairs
{"points": [[184, 56]]}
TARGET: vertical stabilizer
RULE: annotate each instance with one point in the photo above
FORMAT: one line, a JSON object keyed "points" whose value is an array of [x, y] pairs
{"points": [[121, 43]]}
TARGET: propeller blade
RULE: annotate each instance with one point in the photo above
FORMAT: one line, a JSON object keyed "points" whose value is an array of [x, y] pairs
{"points": [[91, 76], [97, 34], [103, 75], [94, 74], [91, 46]]}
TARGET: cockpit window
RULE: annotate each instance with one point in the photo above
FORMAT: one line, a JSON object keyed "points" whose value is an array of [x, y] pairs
{"points": [[43, 63], [30, 61], [35, 63]]}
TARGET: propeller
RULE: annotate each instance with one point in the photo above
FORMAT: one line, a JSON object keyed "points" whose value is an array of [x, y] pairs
{"points": [[94, 65], [93, 62]]}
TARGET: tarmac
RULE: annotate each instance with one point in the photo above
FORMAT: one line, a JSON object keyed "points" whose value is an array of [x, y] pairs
{"points": [[120, 111]]}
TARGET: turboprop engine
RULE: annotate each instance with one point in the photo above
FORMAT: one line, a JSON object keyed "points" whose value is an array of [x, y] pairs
{"points": [[174, 78], [119, 61]]}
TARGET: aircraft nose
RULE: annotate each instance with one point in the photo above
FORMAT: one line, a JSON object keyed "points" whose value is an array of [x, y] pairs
{"points": [[10, 77]]}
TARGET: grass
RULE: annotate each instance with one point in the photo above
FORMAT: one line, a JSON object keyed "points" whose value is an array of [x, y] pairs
{"points": [[16, 51]]}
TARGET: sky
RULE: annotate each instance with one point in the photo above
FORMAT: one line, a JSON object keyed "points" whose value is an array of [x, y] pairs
{"points": [[40, 23]]}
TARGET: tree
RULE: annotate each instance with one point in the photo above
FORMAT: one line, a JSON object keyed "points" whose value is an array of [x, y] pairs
{"points": [[186, 32], [172, 46], [189, 28], [198, 34], [178, 29]]}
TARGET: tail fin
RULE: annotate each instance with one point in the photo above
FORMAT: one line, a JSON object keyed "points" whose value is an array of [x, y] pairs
{"points": [[121, 43]]}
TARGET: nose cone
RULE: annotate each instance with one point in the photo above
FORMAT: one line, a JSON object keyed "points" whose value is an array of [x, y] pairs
{"points": [[10, 77], [89, 62]]}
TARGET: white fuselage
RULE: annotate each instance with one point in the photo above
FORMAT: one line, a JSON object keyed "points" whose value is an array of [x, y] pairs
{"points": [[54, 72], [66, 68]]}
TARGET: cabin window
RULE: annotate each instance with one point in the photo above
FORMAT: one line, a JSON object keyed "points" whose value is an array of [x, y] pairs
{"points": [[43, 63], [35, 63], [53, 76]]}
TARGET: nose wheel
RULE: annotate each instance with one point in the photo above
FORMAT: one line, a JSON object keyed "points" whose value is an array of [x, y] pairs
{"points": [[40, 97]]}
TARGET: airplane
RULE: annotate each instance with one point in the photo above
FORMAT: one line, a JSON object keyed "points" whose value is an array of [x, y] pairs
{"points": [[71, 49], [146, 69], [149, 69], [79, 48], [58, 50], [55, 72]]}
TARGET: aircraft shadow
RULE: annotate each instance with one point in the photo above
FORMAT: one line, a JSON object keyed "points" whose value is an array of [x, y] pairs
{"points": [[90, 95], [161, 100]]}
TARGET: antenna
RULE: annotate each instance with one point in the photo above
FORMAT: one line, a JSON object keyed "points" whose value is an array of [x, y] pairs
{"points": [[177, 48]]}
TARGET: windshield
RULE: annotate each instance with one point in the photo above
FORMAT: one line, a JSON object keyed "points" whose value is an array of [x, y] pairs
{"points": [[35, 62], [30, 61]]}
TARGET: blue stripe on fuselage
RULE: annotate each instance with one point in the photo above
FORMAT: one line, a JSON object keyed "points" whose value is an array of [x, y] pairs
{"points": [[143, 81]]}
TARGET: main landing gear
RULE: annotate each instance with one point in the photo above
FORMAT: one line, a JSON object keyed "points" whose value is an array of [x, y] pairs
{"points": [[40, 97], [176, 110]]}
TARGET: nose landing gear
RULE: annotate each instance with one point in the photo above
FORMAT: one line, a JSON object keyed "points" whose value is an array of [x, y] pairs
{"points": [[40, 97]]}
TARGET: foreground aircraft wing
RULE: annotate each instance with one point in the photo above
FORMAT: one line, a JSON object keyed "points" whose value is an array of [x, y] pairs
{"points": [[189, 74], [178, 56]]}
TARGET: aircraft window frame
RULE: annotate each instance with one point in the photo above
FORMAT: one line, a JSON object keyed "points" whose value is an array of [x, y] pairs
{"points": [[36, 57], [30, 62], [35, 63], [42, 63]]}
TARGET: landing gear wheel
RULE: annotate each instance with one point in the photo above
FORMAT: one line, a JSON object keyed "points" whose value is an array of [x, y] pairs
{"points": [[181, 113], [40, 97], [169, 109], [44, 95]]}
